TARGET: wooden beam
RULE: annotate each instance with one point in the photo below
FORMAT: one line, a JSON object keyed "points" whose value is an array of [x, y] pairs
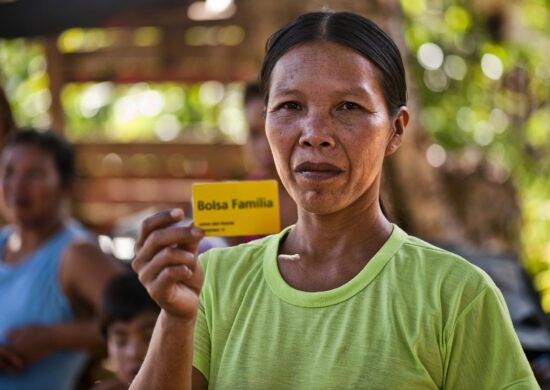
{"points": [[55, 75]]}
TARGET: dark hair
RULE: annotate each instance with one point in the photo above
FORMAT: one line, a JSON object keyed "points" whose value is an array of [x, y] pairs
{"points": [[252, 91], [123, 299], [56, 146], [350, 30]]}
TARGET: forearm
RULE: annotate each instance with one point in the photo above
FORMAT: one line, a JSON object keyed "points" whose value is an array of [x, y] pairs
{"points": [[77, 335], [168, 364]]}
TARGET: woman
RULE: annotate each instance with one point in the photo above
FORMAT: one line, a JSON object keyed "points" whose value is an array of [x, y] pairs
{"points": [[343, 299], [51, 274]]}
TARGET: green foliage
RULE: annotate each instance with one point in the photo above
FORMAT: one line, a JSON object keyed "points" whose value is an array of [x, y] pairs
{"points": [[24, 78], [483, 82], [202, 112]]}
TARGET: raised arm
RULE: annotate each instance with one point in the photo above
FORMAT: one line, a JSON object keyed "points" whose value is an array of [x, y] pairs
{"points": [[166, 262]]}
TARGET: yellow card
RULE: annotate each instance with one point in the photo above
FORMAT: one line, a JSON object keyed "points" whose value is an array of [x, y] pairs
{"points": [[237, 208]]}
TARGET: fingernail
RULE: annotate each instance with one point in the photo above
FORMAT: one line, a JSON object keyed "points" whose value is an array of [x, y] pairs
{"points": [[196, 232], [176, 213]]}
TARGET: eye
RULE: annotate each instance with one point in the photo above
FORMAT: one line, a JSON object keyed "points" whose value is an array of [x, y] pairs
{"points": [[120, 341], [349, 106], [36, 174], [291, 106], [5, 173]]}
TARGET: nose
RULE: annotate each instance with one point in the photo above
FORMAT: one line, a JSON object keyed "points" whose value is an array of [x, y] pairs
{"points": [[136, 349], [318, 131]]}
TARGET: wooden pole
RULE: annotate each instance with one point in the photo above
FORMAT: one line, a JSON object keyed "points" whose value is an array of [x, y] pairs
{"points": [[55, 74]]}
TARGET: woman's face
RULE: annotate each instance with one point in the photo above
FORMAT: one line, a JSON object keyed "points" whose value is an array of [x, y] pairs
{"points": [[31, 185], [329, 127]]}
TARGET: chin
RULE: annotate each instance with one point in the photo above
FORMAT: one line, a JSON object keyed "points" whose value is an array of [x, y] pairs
{"points": [[30, 221], [316, 203]]}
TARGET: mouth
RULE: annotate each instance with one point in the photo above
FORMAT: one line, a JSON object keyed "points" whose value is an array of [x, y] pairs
{"points": [[317, 170], [20, 202]]}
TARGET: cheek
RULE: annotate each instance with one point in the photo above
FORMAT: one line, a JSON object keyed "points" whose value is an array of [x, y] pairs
{"points": [[116, 355], [367, 157], [277, 152], [5, 186], [51, 191], [49, 186], [52, 183], [271, 140], [279, 138]]}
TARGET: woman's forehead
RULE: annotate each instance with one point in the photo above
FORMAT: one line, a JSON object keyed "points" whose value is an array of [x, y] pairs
{"points": [[322, 63]]}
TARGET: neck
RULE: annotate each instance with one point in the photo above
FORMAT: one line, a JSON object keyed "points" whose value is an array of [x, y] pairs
{"points": [[348, 235], [27, 238]]}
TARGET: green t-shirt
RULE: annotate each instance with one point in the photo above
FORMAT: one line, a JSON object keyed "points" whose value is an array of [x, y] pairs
{"points": [[416, 317]]}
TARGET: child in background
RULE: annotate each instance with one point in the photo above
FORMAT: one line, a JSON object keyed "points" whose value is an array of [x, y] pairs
{"points": [[128, 318]]}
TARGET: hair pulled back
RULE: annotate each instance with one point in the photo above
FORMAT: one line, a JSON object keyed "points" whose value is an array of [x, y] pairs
{"points": [[350, 30]]}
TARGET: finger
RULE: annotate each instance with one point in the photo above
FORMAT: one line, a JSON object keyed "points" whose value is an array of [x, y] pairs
{"points": [[164, 289], [184, 237], [181, 275], [6, 368], [169, 256], [10, 361], [157, 221]]}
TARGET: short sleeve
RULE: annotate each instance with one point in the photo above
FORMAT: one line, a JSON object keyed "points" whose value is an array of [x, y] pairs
{"points": [[482, 349], [201, 348], [201, 340]]}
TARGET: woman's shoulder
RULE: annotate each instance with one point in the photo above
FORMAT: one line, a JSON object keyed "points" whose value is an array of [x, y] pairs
{"points": [[445, 279], [437, 263], [436, 255]]}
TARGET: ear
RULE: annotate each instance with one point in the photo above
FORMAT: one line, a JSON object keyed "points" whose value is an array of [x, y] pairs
{"points": [[400, 121]]}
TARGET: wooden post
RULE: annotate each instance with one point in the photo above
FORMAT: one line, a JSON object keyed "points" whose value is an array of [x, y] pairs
{"points": [[55, 74]]}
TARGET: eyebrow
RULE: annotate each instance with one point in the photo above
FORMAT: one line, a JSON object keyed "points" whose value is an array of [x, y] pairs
{"points": [[286, 91], [362, 93], [357, 91]]}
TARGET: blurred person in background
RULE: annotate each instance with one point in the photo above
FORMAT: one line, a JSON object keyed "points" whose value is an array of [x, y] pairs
{"points": [[51, 273], [258, 148], [128, 317], [7, 124]]}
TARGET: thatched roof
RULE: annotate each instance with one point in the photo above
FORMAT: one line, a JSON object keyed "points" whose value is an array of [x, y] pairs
{"points": [[30, 18]]}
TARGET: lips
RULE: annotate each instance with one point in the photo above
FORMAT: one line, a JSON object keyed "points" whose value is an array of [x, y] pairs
{"points": [[317, 170], [21, 202]]}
